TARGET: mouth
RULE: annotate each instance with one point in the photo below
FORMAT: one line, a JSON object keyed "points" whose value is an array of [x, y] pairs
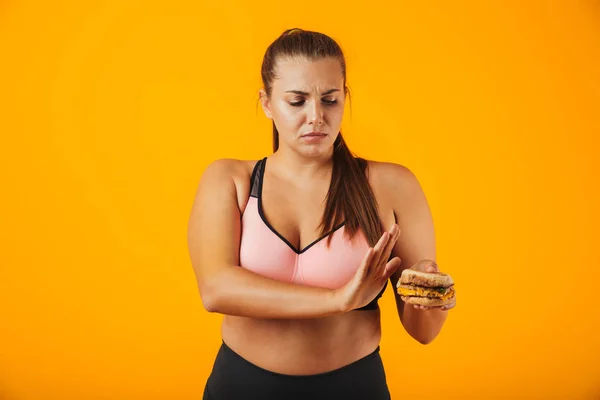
{"points": [[314, 134]]}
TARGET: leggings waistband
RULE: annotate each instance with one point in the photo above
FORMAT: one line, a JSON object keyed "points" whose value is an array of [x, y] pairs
{"points": [[364, 359], [234, 377]]}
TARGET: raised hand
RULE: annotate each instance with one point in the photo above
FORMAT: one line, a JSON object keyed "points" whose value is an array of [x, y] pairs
{"points": [[372, 274]]}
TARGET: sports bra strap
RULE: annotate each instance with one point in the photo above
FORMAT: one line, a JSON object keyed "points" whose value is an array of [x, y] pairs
{"points": [[256, 177]]}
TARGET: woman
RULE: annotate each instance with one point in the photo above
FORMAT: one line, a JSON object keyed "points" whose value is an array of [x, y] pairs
{"points": [[295, 249]]}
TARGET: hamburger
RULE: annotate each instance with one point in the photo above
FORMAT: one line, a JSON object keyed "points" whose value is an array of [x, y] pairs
{"points": [[426, 289]]}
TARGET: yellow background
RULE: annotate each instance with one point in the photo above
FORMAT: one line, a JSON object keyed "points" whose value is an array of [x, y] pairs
{"points": [[110, 111]]}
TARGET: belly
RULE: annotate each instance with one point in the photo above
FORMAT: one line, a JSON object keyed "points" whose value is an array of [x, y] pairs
{"points": [[303, 347]]}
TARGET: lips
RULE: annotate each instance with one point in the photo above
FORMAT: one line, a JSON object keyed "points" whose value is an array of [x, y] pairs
{"points": [[314, 134]]}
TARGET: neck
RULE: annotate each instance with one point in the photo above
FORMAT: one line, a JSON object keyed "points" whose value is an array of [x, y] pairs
{"points": [[294, 164]]}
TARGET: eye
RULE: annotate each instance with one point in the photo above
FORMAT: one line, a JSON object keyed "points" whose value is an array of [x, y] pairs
{"points": [[328, 102]]}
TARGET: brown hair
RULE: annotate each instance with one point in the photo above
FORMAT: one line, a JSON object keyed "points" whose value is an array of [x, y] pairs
{"points": [[350, 196]]}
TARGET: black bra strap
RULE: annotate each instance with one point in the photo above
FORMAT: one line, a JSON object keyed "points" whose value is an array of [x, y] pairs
{"points": [[255, 179]]}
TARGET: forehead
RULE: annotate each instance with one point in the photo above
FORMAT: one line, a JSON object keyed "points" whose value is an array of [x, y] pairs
{"points": [[308, 75]]}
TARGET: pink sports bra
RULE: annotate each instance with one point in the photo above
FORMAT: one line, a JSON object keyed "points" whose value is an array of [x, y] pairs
{"points": [[266, 252]]}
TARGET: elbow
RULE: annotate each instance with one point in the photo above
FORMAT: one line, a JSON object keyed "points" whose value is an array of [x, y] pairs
{"points": [[213, 290], [209, 297], [425, 340], [422, 334], [208, 303], [423, 337]]}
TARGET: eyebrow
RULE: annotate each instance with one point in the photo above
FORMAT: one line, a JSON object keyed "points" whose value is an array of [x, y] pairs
{"points": [[306, 93]]}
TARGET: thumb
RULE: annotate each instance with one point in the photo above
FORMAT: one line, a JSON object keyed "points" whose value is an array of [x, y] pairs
{"points": [[427, 265], [391, 267], [432, 268]]}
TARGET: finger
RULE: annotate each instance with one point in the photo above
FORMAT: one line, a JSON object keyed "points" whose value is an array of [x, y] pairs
{"points": [[383, 240], [449, 306], [367, 261], [393, 237], [386, 256], [396, 234], [391, 267], [394, 230], [379, 248], [443, 307]]}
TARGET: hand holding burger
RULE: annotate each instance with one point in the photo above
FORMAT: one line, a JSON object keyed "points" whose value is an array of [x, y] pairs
{"points": [[425, 287]]}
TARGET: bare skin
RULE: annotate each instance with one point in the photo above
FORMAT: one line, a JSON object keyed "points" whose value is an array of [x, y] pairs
{"points": [[294, 329]]}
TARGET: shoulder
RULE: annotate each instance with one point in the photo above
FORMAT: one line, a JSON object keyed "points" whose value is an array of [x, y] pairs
{"points": [[392, 177], [228, 167], [399, 191], [228, 175]]}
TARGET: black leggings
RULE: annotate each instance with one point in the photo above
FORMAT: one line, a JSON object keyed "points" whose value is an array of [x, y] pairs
{"points": [[233, 378]]}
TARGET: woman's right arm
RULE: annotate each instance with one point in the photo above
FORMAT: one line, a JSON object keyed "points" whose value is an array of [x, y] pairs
{"points": [[213, 241]]}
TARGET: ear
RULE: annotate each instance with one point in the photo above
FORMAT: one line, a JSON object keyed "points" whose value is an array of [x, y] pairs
{"points": [[265, 103]]}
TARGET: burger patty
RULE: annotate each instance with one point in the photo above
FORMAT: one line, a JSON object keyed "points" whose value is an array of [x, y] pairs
{"points": [[420, 291]]}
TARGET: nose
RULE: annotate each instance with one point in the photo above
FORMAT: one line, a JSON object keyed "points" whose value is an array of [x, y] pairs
{"points": [[315, 115]]}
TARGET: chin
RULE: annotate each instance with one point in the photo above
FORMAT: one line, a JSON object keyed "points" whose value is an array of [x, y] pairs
{"points": [[315, 150], [319, 148]]}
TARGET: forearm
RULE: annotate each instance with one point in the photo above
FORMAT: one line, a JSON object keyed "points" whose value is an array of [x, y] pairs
{"points": [[423, 325], [237, 291]]}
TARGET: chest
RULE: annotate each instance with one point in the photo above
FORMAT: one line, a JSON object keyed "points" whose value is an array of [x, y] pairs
{"points": [[328, 261], [282, 238], [294, 212]]}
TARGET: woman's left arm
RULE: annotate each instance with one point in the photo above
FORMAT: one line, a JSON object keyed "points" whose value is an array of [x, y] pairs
{"points": [[416, 248]]}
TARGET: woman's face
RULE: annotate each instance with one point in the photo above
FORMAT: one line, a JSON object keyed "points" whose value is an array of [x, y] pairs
{"points": [[307, 104]]}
